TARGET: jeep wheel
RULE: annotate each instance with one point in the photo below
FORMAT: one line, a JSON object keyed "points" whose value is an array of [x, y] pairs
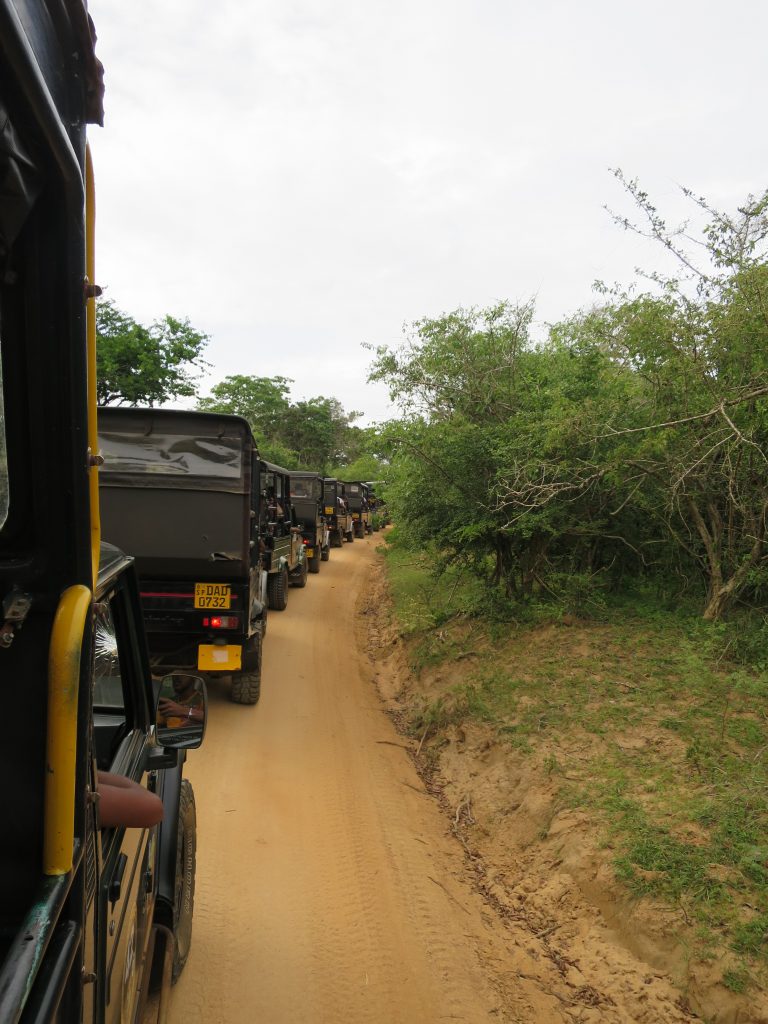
{"points": [[184, 883], [359, 529], [350, 536], [277, 589], [314, 562], [299, 576], [246, 685], [325, 553], [335, 538]]}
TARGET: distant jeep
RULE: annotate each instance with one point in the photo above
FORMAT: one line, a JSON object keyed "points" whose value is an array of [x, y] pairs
{"points": [[336, 512], [282, 544], [309, 513], [359, 507], [183, 493]]}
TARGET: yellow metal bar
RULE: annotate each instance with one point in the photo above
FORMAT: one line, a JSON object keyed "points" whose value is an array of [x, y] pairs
{"points": [[69, 623], [61, 741], [90, 324]]}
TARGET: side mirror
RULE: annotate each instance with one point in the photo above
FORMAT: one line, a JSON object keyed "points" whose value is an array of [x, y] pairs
{"points": [[181, 711]]}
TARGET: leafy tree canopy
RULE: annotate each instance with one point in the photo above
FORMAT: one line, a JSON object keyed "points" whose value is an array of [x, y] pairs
{"points": [[308, 434], [632, 442], [263, 401], [139, 365]]}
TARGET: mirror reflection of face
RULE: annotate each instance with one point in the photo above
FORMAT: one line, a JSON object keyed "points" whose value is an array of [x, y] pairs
{"points": [[184, 686]]}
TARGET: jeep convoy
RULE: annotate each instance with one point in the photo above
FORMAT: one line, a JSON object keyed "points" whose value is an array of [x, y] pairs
{"points": [[218, 534], [104, 653]]}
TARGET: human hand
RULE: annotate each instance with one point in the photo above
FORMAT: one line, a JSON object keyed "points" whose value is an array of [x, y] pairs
{"points": [[173, 709]]}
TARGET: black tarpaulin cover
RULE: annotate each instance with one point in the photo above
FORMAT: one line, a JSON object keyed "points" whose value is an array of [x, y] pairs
{"points": [[18, 183]]}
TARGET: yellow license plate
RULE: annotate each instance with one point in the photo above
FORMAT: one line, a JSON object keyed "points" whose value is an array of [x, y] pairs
{"points": [[328, 511], [309, 552], [219, 657], [355, 515], [212, 595]]}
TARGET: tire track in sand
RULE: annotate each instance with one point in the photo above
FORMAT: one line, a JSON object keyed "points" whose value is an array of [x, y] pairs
{"points": [[328, 891]]}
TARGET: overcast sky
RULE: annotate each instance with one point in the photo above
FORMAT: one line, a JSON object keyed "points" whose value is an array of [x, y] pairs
{"points": [[299, 177]]}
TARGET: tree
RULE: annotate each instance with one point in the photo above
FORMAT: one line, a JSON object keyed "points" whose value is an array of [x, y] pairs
{"points": [[699, 422], [263, 401], [633, 440], [364, 467], [138, 365], [479, 400], [318, 430], [308, 434]]}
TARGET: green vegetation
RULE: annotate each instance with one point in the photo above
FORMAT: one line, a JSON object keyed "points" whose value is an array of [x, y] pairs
{"points": [[153, 365], [315, 434], [138, 365], [581, 525], [640, 714], [630, 445]]}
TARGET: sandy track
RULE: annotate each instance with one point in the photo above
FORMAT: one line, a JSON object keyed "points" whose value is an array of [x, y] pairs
{"points": [[328, 887]]}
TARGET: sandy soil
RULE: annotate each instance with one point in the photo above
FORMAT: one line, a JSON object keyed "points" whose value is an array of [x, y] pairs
{"points": [[542, 864], [329, 888], [332, 887]]}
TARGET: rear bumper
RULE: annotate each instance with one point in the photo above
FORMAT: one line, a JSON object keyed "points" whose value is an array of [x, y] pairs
{"points": [[171, 652], [220, 657]]}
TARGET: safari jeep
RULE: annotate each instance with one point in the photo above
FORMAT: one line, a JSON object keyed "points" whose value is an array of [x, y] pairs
{"points": [[307, 495], [282, 545], [359, 507], [336, 512], [182, 493]]}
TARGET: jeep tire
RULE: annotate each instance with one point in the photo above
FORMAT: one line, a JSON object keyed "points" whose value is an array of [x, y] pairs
{"points": [[298, 577], [277, 589], [246, 685], [184, 882]]}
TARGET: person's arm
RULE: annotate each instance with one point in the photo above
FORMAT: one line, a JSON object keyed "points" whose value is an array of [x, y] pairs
{"points": [[171, 709], [124, 803]]}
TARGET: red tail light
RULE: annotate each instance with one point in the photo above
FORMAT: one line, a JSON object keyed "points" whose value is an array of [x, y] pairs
{"points": [[221, 622]]}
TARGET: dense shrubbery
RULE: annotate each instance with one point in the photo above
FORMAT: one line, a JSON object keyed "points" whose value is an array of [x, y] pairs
{"points": [[630, 445]]}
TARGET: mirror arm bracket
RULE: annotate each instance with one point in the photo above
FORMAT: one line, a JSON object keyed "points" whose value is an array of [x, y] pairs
{"points": [[160, 757]]}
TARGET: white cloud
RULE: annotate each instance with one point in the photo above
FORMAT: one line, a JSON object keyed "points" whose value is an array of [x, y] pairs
{"points": [[299, 177]]}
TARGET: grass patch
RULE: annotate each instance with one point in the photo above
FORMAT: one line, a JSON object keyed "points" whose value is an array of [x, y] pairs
{"points": [[643, 713], [424, 604]]}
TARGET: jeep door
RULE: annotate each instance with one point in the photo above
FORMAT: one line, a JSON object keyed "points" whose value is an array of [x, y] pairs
{"points": [[128, 855]]}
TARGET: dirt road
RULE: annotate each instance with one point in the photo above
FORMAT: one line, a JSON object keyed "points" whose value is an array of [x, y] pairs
{"points": [[329, 889]]}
